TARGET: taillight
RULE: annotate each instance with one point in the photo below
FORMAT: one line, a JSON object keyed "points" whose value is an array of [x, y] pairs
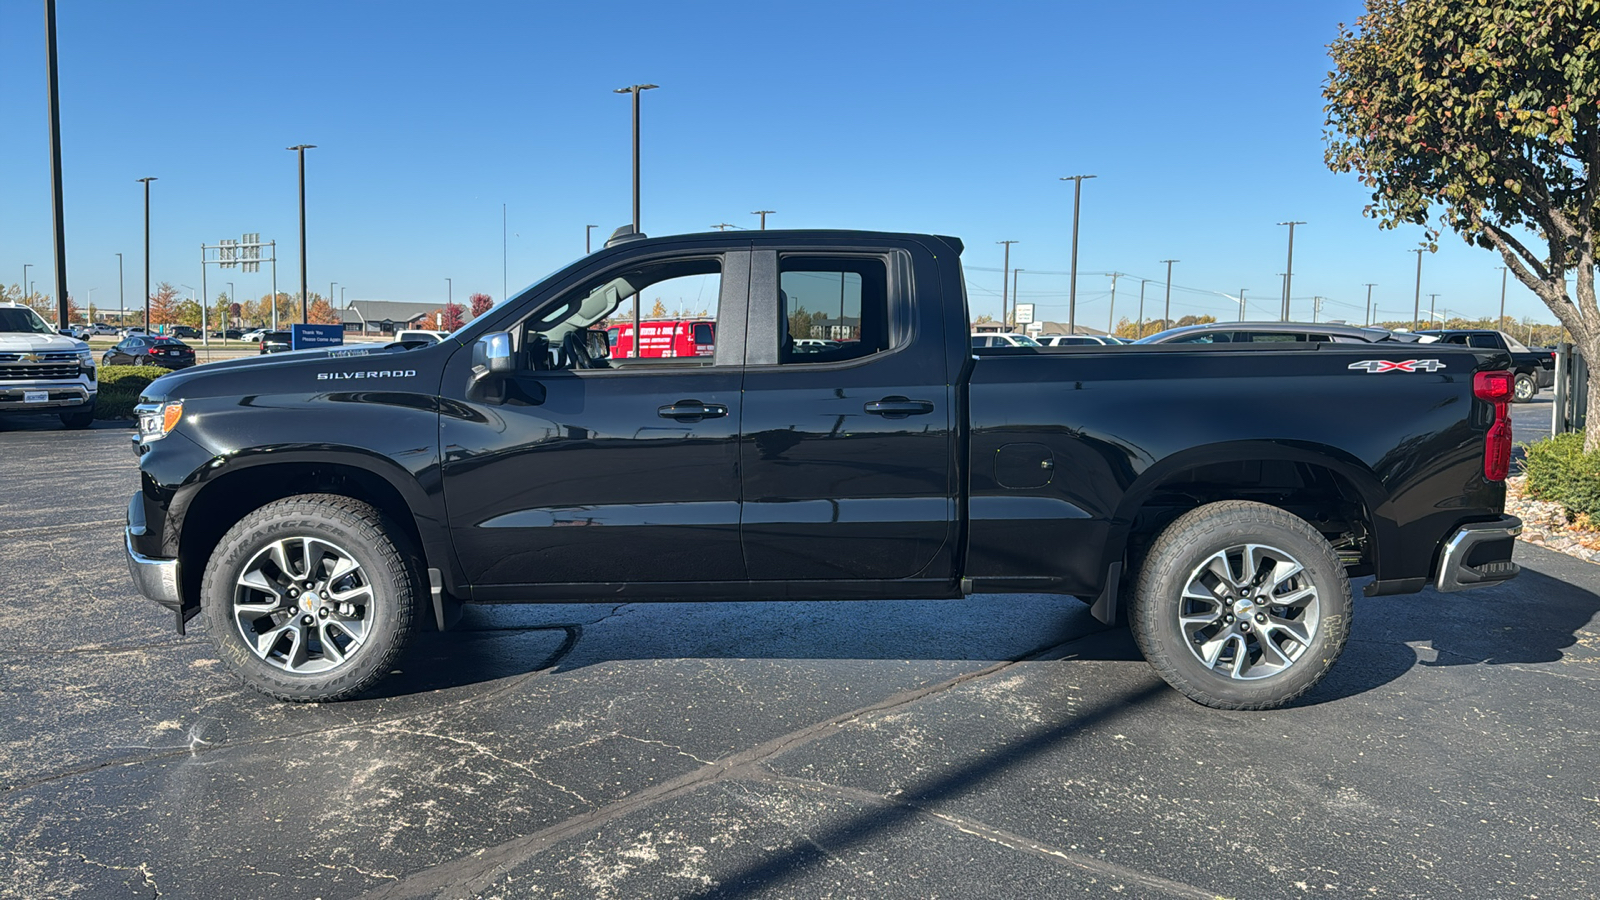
{"points": [[1496, 388]]}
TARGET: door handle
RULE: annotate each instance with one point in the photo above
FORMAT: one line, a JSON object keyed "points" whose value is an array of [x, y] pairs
{"points": [[692, 411], [899, 407]]}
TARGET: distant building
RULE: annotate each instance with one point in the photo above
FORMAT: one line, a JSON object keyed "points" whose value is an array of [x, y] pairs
{"points": [[383, 316]]}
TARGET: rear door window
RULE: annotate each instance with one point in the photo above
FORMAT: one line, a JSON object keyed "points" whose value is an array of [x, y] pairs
{"points": [[1486, 341]]}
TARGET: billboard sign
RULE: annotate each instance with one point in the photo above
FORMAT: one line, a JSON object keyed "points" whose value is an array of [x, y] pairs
{"points": [[1024, 313]]}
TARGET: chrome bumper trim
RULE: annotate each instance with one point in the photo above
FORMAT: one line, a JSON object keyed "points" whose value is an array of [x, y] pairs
{"points": [[1454, 573], [154, 578]]}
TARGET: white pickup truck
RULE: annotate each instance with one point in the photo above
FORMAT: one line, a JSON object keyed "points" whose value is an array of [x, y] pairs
{"points": [[42, 371]]}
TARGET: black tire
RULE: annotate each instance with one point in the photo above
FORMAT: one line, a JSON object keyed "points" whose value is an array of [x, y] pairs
{"points": [[1525, 387], [78, 418], [389, 571], [1180, 555]]}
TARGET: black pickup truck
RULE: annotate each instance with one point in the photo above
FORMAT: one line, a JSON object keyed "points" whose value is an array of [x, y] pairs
{"points": [[316, 505], [1534, 370]]}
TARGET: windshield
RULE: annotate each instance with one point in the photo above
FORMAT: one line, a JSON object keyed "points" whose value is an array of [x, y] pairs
{"points": [[21, 320], [1022, 340]]}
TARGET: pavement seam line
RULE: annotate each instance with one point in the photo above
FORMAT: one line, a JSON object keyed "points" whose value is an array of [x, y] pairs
{"points": [[42, 529], [1010, 839], [474, 872]]}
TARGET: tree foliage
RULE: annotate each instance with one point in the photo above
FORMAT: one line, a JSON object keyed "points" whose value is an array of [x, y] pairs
{"points": [[164, 305], [450, 318], [480, 304], [1484, 119], [320, 312]]}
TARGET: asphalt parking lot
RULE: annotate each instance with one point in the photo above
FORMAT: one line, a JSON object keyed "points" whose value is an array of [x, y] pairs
{"points": [[993, 747]]}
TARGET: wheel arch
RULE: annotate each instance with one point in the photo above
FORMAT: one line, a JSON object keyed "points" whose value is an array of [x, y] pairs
{"points": [[205, 509]]}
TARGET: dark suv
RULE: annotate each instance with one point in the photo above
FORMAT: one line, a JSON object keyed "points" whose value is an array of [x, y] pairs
{"points": [[1274, 333], [1536, 369]]}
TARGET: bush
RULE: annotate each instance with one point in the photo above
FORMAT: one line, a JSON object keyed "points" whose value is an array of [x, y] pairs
{"points": [[120, 387], [1560, 472]]}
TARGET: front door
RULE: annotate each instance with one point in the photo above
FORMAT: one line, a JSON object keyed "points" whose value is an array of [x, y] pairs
{"points": [[587, 469]]}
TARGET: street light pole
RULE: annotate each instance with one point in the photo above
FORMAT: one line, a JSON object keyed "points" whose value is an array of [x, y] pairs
{"points": [[1416, 302], [1500, 322], [1005, 278], [23, 287], [763, 213], [146, 182], [55, 164], [121, 308], [1369, 302], [1072, 284], [301, 150], [1433, 300], [636, 90], [1142, 283], [1111, 320], [1288, 277], [1241, 304], [588, 234], [1015, 277], [1167, 317]]}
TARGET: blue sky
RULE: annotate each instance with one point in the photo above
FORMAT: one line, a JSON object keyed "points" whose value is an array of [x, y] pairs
{"points": [[1202, 121]]}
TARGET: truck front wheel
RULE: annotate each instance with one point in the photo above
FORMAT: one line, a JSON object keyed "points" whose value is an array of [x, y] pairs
{"points": [[1241, 605], [312, 597]]}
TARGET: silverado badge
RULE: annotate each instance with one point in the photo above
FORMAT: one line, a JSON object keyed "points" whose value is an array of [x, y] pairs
{"points": [[1373, 366]]}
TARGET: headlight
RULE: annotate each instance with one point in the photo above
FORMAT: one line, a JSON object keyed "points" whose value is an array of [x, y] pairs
{"points": [[157, 419], [86, 358]]}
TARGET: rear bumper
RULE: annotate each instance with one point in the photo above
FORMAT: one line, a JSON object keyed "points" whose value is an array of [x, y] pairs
{"points": [[1479, 554]]}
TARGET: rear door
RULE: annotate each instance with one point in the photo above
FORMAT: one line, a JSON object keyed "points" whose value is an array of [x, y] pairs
{"points": [[848, 452]]}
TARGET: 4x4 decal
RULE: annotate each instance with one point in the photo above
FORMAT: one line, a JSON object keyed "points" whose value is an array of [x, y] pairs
{"points": [[1374, 366]]}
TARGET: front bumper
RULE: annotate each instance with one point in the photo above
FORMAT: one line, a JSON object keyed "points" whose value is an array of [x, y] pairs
{"points": [[154, 578], [60, 395], [1479, 554]]}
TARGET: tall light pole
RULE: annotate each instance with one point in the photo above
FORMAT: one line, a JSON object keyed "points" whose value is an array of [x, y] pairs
{"points": [[146, 183], [120, 306], [1416, 302], [1241, 304], [588, 234], [23, 287], [55, 164], [1072, 284], [1500, 322], [1016, 276], [449, 292], [1111, 320], [301, 150], [1288, 277], [1369, 302], [1433, 301], [1142, 283], [763, 213], [1005, 279], [636, 90], [227, 317], [1316, 308], [1167, 318]]}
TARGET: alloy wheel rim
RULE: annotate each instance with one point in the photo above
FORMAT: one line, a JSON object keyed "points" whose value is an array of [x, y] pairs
{"points": [[304, 605], [1249, 611]]}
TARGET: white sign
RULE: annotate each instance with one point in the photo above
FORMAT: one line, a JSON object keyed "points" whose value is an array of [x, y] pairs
{"points": [[1024, 313]]}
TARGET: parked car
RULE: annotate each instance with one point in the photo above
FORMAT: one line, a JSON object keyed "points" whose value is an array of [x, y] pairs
{"points": [[275, 342], [100, 328], [150, 350], [1080, 340], [1279, 333], [1002, 340], [183, 331], [421, 334], [131, 331], [354, 493], [255, 335], [42, 371], [1535, 369], [230, 334]]}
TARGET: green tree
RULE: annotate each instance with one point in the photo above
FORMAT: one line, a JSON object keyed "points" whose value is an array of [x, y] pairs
{"points": [[1484, 119]]}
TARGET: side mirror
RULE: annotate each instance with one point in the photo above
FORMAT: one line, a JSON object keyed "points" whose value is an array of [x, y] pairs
{"points": [[491, 355], [599, 344]]}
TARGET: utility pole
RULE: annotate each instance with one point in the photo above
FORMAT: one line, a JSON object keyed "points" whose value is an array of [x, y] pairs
{"points": [[1288, 278], [1316, 307], [55, 164], [1167, 317], [1072, 287], [724, 226], [1416, 302], [588, 233], [763, 213], [301, 150], [1014, 279], [1142, 283], [1241, 304], [1005, 277], [1369, 302], [146, 182], [1111, 326], [1432, 300], [121, 306], [1500, 322], [636, 90], [23, 287]]}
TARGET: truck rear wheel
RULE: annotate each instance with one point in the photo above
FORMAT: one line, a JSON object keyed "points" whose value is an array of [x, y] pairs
{"points": [[1525, 387], [312, 597], [1241, 605]]}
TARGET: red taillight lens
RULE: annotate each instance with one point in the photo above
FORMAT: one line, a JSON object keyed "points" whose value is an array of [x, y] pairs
{"points": [[1496, 388], [1493, 386]]}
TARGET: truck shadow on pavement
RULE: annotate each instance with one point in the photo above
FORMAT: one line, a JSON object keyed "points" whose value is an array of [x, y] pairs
{"points": [[1536, 618]]}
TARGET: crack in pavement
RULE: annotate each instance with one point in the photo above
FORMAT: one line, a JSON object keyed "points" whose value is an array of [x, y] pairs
{"points": [[45, 529], [480, 749], [476, 871], [1098, 867]]}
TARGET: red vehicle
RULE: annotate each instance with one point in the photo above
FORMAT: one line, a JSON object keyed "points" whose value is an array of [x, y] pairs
{"points": [[665, 338]]}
